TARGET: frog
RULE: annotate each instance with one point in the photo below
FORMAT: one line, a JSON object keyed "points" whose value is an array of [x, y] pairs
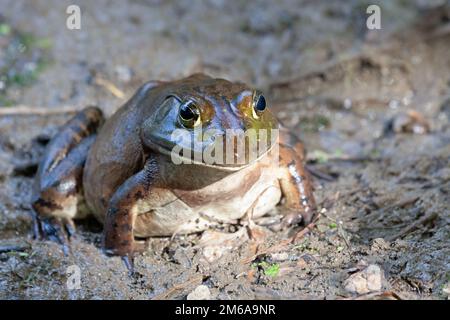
{"points": [[124, 171]]}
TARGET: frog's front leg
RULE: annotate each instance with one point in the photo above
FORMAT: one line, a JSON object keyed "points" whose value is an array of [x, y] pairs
{"points": [[122, 211], [58, 193], [295, 181]]}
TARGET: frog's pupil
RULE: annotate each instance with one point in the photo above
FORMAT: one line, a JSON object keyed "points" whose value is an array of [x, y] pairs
{"points": [[261, 104], [186, 112]]}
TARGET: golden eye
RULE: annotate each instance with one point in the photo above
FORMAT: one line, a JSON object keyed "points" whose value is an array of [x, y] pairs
{"points": [[259, 105], [189, 115]]}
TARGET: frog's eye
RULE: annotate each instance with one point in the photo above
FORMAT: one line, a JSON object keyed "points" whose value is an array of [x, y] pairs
{"points": [[259, 105], [189, 115]]}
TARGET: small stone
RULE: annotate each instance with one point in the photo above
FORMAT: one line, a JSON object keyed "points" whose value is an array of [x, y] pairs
{"points": [[368, 280], [362, 264], [200, 293], [446, 290], [410, 122], [283, 256], [401, 244], [379, 244]]}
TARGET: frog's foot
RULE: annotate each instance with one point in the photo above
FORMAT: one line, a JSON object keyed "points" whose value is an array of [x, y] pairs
{"points": [[59, 230], [291, 219]]}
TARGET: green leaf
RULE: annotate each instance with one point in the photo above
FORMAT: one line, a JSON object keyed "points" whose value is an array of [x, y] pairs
{"points": [[4, 29], [338, 153], [320, 156], [270, 270], [273, 270]]}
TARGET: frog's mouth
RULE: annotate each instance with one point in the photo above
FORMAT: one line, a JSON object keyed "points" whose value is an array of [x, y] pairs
{"points": [[228, 152]]}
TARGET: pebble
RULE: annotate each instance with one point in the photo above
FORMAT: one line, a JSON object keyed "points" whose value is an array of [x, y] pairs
{"points": [[365, 281], [410, 122], [446, 290], [379, 244], [200, 293], [283, 256]]}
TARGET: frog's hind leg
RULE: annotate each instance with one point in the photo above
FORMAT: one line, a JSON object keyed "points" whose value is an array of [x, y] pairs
{"points": [[58, 195], [295, 181]]}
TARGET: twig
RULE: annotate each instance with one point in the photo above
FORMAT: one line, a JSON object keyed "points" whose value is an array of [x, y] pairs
{"points": [[442, 31], [386, 294], [284, 243], [402, 203], [40, 111], [7, 246], [426, 218], [320, 174], [346, 158], [304, 231], [111, 87], [342, 232], [346, 57], [177, 287]]}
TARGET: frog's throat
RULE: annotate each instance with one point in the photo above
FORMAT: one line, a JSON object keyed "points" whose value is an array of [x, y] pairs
{"points": [[225, 167]]}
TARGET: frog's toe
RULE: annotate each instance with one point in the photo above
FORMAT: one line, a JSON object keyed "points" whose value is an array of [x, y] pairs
{"points": [[290, 219], [126, 253], [128, 261], [59, 230]]}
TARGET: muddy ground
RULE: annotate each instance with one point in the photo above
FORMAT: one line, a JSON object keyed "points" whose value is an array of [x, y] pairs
{"points": [[382, 174]]}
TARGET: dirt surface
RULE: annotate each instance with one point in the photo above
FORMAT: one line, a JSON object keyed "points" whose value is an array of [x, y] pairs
{"points": [[373, 108]]}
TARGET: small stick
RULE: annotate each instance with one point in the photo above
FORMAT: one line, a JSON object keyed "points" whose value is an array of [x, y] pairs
{"points": [[386, 294], [304, 231], [343, 236], [177, 287], [40, 111], [402, 203], [428, 217], [7, 246], [111, 87], [282, 244], [319, 174]]}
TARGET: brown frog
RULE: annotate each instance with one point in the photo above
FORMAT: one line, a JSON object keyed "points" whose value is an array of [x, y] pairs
{"points": [[126, 173]]}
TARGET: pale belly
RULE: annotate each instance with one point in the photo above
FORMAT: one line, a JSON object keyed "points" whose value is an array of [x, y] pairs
{"points": [[171, 212]]}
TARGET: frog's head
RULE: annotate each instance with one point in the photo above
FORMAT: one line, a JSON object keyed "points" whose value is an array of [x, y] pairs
{"points": [[211, 122]]}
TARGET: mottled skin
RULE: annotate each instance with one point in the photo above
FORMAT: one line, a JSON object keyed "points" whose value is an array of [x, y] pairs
{"points": [[125, 175]]}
